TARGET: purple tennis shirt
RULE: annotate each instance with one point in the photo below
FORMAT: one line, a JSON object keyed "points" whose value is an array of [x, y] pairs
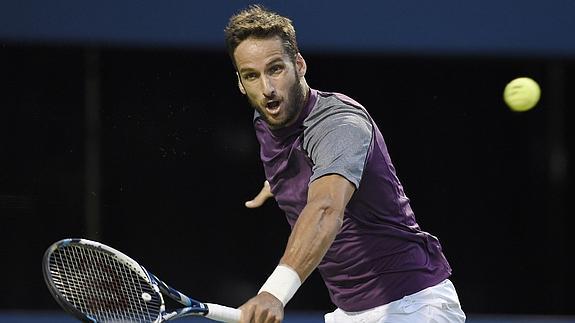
{"points": [[380, 254]]}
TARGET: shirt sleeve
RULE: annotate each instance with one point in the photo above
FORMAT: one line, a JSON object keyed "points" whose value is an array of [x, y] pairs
{"points": [[338, 143]]}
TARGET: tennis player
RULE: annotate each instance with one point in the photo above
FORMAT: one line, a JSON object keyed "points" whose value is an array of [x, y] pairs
{"points": [[327, 166]]}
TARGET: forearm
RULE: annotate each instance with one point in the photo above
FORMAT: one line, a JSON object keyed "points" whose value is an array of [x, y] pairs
{"points": [[311, 237]]}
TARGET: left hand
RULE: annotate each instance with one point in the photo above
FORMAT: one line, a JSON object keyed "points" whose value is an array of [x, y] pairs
{"points": [[263, 195], [262, 308]]}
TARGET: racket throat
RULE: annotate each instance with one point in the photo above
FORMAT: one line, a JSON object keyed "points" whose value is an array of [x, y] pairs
{"points": [[200, 310]]}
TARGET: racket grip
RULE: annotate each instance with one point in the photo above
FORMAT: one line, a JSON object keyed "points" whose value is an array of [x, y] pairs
{"points": [[223, 313]]}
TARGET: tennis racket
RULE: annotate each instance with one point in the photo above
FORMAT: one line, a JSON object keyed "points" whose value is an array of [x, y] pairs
{"points": [[97, 283]]}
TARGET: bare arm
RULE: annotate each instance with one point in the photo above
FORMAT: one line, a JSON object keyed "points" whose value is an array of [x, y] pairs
{"points": [[312, 235], [318, 223]]}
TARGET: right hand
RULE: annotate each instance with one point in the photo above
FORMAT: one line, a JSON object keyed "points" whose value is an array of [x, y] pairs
{"points": [[262, 196], [262, 308]]}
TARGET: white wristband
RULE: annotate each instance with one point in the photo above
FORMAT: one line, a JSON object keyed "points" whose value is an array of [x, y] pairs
{"points": [[282, 283]]}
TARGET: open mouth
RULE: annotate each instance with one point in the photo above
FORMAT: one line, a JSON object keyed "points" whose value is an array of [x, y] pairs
{"points": [[273, 107]]}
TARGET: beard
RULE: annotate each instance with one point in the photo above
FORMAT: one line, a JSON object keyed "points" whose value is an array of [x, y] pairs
{"points": [[292, 108]]}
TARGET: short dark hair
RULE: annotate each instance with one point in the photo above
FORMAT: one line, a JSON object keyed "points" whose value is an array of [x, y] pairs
{"points": [[259, 22]]}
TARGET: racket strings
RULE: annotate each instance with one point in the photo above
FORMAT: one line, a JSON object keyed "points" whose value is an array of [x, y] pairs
{"points": [[102, 287]]}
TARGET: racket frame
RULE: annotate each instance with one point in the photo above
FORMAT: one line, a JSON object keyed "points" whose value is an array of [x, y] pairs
{"points": [[192, 306]]}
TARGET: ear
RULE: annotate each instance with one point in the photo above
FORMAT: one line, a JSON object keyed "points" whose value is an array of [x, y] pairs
{"points": [[300, 65], [240, 85]]}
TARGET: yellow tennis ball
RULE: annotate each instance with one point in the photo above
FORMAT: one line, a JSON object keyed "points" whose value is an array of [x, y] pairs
{"points": [[521, 94]]}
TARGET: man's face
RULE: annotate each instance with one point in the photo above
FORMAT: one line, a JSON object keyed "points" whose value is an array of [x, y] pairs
{"points": [[270, 80]]}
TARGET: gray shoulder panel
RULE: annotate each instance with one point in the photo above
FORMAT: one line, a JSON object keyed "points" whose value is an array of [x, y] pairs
{"points": [[337, 138]]}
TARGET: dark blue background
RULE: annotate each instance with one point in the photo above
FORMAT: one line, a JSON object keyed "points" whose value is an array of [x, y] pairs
{"points": [[526, 27]]}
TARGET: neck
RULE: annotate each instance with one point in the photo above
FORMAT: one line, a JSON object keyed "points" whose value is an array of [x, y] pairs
{"points": [[305, 90]]}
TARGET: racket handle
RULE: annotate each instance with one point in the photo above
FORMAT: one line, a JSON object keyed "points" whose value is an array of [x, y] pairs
{"points": [[223, 313]]}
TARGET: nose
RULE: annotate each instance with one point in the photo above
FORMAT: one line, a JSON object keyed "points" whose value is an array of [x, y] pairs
{"points": [[269, 89]]}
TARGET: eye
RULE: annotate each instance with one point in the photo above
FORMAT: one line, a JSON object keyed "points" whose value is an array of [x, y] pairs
{"points": [[276, 69], [249, 76]]}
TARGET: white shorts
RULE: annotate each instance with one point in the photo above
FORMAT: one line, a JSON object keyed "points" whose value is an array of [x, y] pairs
{"points": [[437, 304]]}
